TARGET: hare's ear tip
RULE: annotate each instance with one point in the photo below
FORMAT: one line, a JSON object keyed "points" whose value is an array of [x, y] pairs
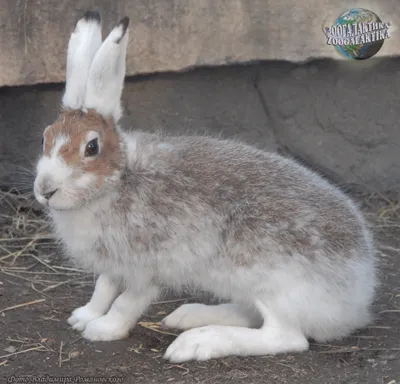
{"points": [[93, 16], [124, 23]]}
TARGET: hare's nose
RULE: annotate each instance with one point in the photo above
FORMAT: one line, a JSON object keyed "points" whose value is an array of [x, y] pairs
{"points": [[49, 194]]}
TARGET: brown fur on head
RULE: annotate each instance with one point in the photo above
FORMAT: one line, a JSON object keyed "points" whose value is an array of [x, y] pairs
{"points": [[83, 156], [68, 166], [75, 126]]}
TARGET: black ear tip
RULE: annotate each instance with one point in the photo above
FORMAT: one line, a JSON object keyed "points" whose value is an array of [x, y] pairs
{"points": [[125, 23], [92, 16]]}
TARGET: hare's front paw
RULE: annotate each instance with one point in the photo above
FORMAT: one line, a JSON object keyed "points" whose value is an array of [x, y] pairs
{"points": [[82, 316], [105, 329]]}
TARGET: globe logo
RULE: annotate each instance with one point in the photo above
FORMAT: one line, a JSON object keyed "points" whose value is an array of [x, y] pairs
{"points": [[358, 34]]}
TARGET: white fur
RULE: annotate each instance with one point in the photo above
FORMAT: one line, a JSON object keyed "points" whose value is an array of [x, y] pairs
{"points": [[82, 47], [95, 69], [53, 173], [60, 141], [82, 316], [105, 292], [215, 341], [195, 315], [165, 146], [107, 74], [85, 179], [122, 316], [130, 141]]}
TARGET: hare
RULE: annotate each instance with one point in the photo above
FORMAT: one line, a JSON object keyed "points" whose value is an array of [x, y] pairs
{"points": [[289, 255]]}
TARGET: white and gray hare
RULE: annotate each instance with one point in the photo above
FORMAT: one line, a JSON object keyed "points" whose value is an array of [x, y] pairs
{"points": [[288, 254]]}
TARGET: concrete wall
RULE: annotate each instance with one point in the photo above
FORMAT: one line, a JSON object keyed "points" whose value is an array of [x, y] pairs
{"points": [[340, 117], [173, 35]]}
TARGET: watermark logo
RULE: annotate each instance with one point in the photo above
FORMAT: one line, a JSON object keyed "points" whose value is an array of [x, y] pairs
{"points": [[358, 34]]}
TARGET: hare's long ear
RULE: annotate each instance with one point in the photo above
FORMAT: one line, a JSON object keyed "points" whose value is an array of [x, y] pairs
{"points": [[82, 47], [107, 73]]}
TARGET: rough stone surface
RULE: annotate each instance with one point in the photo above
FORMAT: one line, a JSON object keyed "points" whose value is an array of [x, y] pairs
{"points": [[172, 35], [340, 118]]}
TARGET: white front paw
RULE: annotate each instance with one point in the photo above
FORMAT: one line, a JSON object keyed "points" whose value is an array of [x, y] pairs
{"points": [[82, 316], [105, 329], [199, 344], [185, 317]]}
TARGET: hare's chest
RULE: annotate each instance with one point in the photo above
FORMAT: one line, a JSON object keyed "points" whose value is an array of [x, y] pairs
{"points": [[78, 231]]}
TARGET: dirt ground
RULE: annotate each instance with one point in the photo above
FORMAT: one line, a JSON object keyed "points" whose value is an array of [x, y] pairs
{"points": [[38, 290]]}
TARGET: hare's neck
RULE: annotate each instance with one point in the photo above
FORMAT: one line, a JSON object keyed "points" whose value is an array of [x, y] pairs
{"points": [[80, 229]]}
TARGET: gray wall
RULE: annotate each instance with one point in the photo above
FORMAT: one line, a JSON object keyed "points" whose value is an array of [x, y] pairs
{"points": [[339, 117], [173, 35]]}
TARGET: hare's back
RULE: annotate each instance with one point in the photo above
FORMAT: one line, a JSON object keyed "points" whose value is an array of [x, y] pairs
{"points": [[265, 194]]}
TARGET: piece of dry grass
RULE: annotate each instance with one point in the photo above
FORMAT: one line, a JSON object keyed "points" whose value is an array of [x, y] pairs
{"points": [[40, 348], [179, 366], [383, 212], [27, 345], [155, 327], [60, 359], [22, 305]]}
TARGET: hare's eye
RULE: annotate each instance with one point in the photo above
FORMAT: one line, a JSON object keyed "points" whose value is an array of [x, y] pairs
{"points": [[92, 148], [42, 142]]}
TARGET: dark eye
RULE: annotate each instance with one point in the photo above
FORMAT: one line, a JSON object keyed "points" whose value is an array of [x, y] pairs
{"points": [[42, 142], [92, 148]]}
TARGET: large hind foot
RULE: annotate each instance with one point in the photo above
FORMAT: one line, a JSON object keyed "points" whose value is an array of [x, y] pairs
{"points": [[216, 341]]}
